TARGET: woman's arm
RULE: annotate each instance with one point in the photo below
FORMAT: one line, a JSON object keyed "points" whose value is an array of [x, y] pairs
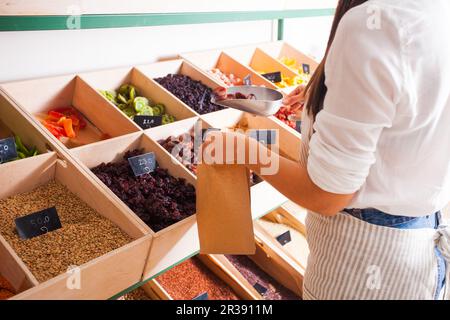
{"points": [[291, 179]]}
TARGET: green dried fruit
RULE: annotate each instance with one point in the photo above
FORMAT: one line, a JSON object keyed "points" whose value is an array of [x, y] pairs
{"points": [[140, 103]]}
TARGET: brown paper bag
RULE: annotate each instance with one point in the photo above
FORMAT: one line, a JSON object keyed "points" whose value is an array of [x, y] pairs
{"points": [[224, 217]]}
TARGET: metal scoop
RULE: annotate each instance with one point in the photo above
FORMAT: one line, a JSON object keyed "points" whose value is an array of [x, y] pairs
{"points": [[267, 102]]}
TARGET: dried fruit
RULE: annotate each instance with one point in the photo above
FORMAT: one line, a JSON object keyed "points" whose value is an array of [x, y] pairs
{"points": [[158, 198], [194, 93], [128, 101]]}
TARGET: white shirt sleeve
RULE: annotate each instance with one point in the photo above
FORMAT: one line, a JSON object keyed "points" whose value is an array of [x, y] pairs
{"points": [[365, 79]]}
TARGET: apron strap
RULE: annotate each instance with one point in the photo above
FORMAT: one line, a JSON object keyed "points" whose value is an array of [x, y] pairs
{"points": [[443, 243]]}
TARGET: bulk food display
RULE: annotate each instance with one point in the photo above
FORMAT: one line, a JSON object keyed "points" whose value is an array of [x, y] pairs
{"points": [[192, 92], [260, 280], [75, 153], [84, 235], [158, 198], [291, 239], [192, 279], [128, 100]]}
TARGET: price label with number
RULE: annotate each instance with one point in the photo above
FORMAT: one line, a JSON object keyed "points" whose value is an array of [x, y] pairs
{"points": [[38, 223], [147, 122], [143, 164], [8, 149]]}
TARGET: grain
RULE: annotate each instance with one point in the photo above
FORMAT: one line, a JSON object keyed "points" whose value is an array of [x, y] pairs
{"points": [[192, 278], [138, 294], [255, 275], [85, 235]]}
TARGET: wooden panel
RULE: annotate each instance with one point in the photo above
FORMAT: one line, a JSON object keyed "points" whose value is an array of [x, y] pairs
{"points": [[14, 270], [101, 278], [289, 139], [207, 60], [274, 261], [282, 49], [37, 97], [225, 270], [18, 123], [25, 175], [106, 117], [172, 245]]}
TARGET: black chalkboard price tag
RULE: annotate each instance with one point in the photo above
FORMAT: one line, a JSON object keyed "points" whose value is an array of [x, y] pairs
{"points": [[203, 296], [8, 149], [147, 122], [260, 288], [266, 137], [284, 238], [306, 68], [38, 223], [142, 164], [274, 77]]}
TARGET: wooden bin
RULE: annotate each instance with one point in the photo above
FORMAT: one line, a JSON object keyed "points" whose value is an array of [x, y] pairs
{"points": [[102, 277], [171, 244], [283, 216], [260, 202], [37, 97], [14, 270], [261, 62], [14, 122], [289, 139], [281, 49], [277, 265], [179, 66], [208, 60], [112, 79], [236, 282]]}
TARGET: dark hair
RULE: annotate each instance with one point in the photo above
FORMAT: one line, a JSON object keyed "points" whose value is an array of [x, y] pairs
{"points": [[316, 88]]}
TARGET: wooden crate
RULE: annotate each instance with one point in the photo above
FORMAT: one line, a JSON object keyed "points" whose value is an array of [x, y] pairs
{"points": [[289, 139], [37, 97], [179, 66], [215, 264], [261, 62], [277, 265], [208, 60], [100, 278], [15, 122], [112, 79], [281, 49], [285, 217]]}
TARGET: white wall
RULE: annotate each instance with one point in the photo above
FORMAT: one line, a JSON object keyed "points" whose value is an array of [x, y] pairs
{"points": [[34, 54]]}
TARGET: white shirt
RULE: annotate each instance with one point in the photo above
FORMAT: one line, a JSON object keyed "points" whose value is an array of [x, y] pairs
{"points": [[384, 131]]}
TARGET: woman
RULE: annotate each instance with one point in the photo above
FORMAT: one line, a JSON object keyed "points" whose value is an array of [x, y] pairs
{"points": [[376, 151]]}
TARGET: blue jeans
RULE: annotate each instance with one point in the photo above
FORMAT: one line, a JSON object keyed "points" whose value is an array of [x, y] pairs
{"points": [[380, 218]]}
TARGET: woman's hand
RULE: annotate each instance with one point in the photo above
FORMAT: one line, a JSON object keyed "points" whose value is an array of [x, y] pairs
{"points": [[295, 100]]}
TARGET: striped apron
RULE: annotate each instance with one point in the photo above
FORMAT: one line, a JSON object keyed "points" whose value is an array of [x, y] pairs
{"points": [[351, 259], [354, 260]]}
